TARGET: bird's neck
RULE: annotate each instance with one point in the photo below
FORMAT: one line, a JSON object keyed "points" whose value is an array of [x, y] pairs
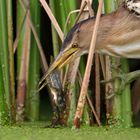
{"points": [[121, 34], [129, 50]]}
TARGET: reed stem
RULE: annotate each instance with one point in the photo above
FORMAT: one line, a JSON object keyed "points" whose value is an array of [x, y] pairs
{"points": [[4, 57], [34, 67], [11, 56], [126, 98]]}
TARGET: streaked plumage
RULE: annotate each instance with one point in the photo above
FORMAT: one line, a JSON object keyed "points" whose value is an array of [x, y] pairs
{"points": [[118, 35]]}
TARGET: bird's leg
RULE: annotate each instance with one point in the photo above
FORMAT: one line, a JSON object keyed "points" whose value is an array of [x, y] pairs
{"points": [[121, 87], [131, 76], [120, 75], [58, 118], [55, 119], [125, 79]]}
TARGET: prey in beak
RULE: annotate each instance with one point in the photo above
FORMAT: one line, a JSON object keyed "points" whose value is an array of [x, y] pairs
{"points": [[65, 56]]}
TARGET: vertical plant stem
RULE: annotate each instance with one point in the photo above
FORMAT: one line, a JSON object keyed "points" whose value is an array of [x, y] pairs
{"points": [[95, 5], [3, 112], [108, 86], [116, 112], [23, 58], [34, 64], [71, 93], [126, 98], [11, 56], [20, 31], [73, 67], [52, 18], [90, 104], [115, 107], [81, 16], [23, 75], [63, 13], [108, 8], [5, 57], [97, 85], [85, 82], [121, 103], [70, 6], [109, 5], [55, 39]]}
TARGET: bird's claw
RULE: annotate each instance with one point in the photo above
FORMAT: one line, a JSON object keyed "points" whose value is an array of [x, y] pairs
{"points": [[123, 83]]}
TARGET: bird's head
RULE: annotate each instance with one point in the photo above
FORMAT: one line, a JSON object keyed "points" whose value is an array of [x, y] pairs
{"points": [[74, 46]]}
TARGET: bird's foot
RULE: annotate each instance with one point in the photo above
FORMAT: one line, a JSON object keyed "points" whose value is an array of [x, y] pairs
{"points": [[125, 79], [121, 78]]}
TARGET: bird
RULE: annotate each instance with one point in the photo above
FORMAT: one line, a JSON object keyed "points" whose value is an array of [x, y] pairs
{"points": [[118, 35]]}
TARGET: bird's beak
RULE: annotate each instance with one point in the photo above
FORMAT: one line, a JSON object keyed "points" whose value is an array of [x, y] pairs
{"points": [[64, 57]]}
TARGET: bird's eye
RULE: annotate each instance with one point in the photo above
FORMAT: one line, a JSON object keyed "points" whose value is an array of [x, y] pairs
{"points": [[75, 45]]}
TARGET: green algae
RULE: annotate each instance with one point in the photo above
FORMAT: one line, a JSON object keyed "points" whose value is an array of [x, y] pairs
{"points": [[39, 132]]}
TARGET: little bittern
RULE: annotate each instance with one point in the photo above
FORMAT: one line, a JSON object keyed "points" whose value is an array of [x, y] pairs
{"points": [[118, 35]]}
